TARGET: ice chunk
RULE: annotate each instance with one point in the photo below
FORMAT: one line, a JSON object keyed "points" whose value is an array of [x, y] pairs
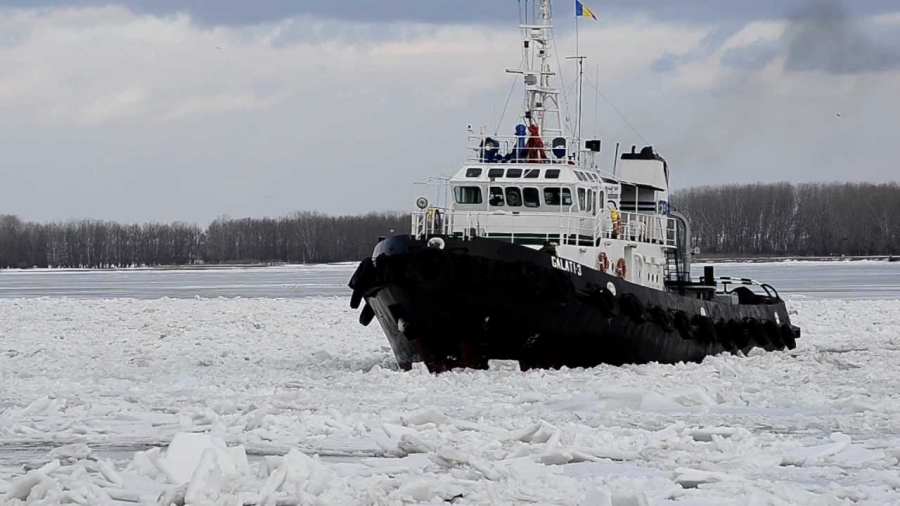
{"points": [[50, 467], [630, 499], [854, 456], [810, 454], [71, 453], [855, 405], [504, 365], [706, 434], [530, 397], [102, 409], [417, 490], [37, 406], [411, 443], [109, 472], [154, 419], [186, 451], [206, 480], [419, 368], [22, 487], [597, 497], [691, 478], [538, 433], [652, 401], [451, 458], [693, 397], [430, 415], [172, 496]]}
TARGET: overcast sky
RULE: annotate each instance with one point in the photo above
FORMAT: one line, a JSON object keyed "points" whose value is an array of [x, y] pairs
{"points": [[166, 110]]}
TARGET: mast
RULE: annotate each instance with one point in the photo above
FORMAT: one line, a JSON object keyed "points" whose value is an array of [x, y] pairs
{"points": [[579, 95], [541, 104]]}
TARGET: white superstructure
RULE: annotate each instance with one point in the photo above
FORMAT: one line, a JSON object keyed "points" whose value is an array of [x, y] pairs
{"points": [[540, 186]]}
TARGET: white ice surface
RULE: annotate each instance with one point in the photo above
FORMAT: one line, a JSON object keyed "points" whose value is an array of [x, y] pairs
{"points": [[230, 401]]}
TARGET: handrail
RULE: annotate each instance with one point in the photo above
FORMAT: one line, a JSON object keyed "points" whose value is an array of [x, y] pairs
{"points": [[635, 227], [515, 149], [727, 280]]}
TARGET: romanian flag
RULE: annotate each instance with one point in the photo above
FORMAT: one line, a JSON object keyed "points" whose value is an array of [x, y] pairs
{"points": [[583, 10]]}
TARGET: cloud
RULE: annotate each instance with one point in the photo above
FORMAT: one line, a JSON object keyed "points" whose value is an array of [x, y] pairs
{"points": [[496, 13], [751, 57], [824, 37], [117, 113]]}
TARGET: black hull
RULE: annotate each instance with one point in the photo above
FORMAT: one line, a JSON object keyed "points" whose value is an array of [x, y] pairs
{"points": [[478, 300]]}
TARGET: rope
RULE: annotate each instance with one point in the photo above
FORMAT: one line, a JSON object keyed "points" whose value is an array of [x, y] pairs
{"points": [[608, 101], [508, 96], [562, 81]]}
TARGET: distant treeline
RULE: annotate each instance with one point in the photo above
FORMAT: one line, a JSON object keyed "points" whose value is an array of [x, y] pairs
{"points": [[755, 219], [301, 238], [785, 219]]}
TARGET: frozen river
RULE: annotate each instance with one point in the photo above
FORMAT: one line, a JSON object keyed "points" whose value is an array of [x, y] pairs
{"points": [[817, 280], [258, 386]]}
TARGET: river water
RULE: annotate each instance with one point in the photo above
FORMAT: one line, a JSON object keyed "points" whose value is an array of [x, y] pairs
{"points": [[817, 280]]}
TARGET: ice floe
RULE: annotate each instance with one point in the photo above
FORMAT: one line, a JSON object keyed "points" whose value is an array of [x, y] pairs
{"points": [[262, 402]]}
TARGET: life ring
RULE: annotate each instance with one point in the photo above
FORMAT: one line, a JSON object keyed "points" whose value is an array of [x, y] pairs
{"points": [[621, 269], [602, 262]]}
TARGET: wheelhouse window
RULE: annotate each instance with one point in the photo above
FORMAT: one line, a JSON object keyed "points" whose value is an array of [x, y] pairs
{"points": [[582, 199], [495, 173], [496, 196], [513, 197], [566, 197], [590, 202], [551, 196], [473, 172], [531, 197], [579, 175], [552, 174], [467, 194], [532, 173], [513, 173]]}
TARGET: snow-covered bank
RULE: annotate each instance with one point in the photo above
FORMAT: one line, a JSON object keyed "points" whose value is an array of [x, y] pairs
{"points": [[290, 379]]}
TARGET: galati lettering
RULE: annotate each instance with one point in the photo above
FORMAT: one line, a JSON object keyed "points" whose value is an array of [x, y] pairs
{"points": [[566, 265]]}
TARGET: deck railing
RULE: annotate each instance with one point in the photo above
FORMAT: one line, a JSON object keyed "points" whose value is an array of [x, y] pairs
{"points": [[513, 149], [638, 227], [537, 227]]}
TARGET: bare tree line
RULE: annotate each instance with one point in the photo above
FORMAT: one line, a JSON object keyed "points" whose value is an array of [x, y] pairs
{"points": [[300, 238], [753, 219], [829, 219]]}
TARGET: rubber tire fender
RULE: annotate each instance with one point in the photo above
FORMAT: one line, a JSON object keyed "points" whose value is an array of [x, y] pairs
{"points": [[787, 336], [774, 334], [360, 281], [705, 330], [756, 332], [723, 335], [605, 302], [632, 307], [682, 324], [660, 317], [738, 334], [365, 317]]}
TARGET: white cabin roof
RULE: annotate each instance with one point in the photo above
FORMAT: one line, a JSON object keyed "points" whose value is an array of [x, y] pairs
{"points": [[531, 173]]}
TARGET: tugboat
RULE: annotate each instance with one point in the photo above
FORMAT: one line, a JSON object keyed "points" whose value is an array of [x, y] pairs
{"points": [[532, 253]]}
